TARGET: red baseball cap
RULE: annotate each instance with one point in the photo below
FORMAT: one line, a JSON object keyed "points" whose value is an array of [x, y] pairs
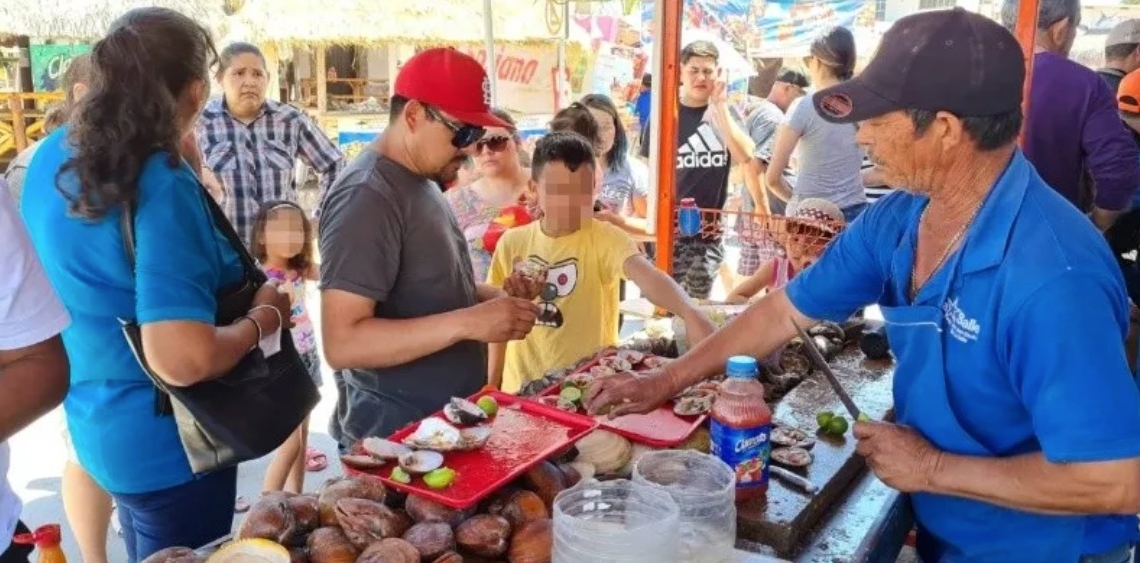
{"points": [[452, 82]]}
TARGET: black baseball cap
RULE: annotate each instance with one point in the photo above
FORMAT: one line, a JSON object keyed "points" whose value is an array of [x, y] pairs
{"points": [[940, 60]]}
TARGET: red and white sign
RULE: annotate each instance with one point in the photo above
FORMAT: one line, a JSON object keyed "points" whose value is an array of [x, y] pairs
{"points": [[524, 76]]}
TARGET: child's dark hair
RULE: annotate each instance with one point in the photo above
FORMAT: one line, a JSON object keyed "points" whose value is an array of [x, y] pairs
{"points": [[303, 259], [577, 118], [568, 147]]}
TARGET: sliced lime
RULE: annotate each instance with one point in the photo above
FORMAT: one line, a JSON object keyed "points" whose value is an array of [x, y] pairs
{"points": [[863, 417], [441, 478], [571, 395], [822, 418], [400, 476], [488, 404]]}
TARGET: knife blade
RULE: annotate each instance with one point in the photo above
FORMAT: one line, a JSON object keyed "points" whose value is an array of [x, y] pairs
{"points": [[792, 479], [821, 365]]}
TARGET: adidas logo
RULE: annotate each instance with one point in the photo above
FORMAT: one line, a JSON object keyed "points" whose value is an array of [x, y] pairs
{"points": [[702, 150]]}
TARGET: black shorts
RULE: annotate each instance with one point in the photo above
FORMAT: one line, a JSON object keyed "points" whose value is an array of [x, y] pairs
{"points": [[696, 263], [17, 553]]}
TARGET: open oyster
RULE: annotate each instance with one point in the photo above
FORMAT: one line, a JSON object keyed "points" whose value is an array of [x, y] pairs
{"points": [[616, 363], [789, 437], [382, 449], [474, 438], [418, 463], [435, 435], [694, 403], [463, 412], [791, 457], [362, 461], [632, 356]]}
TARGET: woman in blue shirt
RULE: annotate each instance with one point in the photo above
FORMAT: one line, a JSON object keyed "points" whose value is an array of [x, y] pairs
{"points": [[122, 148]]}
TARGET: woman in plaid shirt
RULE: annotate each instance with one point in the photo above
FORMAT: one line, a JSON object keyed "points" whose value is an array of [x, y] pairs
{"points": [[252, 143]]}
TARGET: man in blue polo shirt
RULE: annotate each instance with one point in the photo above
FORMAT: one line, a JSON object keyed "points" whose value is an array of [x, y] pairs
{"points": [[1018, 423]]}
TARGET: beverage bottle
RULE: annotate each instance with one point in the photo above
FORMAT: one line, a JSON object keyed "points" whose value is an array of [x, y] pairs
{"points": [[741, 423], [47, 540], [689, 217]]}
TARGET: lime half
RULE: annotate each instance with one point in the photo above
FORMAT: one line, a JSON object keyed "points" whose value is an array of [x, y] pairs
{"points": [[823, 417], [441, 478]]}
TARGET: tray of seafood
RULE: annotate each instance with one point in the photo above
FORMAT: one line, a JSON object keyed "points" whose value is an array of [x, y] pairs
{"points": [[665, 427], [469, 449]]}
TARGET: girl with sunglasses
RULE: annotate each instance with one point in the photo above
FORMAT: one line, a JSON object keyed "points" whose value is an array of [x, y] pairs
{"points": [[492, 203]]}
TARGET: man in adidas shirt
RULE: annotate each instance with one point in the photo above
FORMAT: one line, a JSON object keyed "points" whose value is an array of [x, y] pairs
{"points": [[709, 141]]}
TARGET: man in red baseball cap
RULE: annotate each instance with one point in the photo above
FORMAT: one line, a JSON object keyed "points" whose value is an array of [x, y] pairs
{"points": [[404, 321]]}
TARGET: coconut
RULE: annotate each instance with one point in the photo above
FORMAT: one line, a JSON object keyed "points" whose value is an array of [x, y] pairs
{"points": [[523, 507], [348, 487], [270, 518], [174, 555], [329, 545], [423, 510], [365, 522], [546, 480], [390, 550], [532, 543], [260, 550]]}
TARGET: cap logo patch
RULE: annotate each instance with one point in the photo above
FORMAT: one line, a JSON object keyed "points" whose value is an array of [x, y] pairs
{"points": [[486, 91], [837, 106]]}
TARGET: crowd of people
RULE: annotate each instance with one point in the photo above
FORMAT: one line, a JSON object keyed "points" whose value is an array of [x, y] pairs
{"points": [[1017, 430]]}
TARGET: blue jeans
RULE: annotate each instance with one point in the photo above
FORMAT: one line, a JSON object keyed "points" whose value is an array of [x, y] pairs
{"points": [[191, 515], [850, 213], [1122, 554]]}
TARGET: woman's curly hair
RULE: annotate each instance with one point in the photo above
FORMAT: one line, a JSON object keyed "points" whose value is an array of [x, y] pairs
{"points": [[131, 111]]}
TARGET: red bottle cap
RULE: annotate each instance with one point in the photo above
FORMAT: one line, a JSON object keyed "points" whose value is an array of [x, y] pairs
{"points": [[43, 537]]}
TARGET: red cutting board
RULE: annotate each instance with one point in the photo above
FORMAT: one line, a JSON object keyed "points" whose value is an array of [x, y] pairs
{"points": [[661, 428], [524, 433]]}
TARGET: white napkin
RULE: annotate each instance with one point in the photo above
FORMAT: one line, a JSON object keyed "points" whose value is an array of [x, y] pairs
{"points": [[271, 344]]}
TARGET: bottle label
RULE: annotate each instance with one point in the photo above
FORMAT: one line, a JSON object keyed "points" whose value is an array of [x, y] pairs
{"points": [[745, 450]]}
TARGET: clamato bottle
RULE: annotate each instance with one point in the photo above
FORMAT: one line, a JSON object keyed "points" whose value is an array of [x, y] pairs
{"points": [[47, 540], [740, 426]]}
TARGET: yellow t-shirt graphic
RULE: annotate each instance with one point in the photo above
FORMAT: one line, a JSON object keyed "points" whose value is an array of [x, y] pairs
{"points": [[579, 302]]}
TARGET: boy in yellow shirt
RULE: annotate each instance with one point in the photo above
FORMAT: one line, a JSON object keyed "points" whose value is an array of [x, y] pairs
{"points": [[584, 260]]}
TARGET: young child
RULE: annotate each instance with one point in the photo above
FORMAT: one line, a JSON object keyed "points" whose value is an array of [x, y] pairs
{"points": [[811, 224], [582, 260], [283, 244]]}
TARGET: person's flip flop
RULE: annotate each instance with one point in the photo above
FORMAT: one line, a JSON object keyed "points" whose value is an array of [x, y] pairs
{"points": [[315, 460], [241, 505]]}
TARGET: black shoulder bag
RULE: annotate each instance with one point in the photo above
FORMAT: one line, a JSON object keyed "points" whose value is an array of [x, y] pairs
{"points": [[251, 410]]}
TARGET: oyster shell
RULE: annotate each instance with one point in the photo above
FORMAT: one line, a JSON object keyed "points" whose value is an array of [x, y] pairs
{"points": [[362, 461], [380, 448], [418, 463], [654, 362], [616, 363], [463, 412], [602, 371], [694, 403], [435, 435], [474, 438], [786, 436], [632, 356], [791, 457], [568, 406]]}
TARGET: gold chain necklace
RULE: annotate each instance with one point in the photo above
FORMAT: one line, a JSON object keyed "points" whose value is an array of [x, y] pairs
{"points": [[914, 285]]}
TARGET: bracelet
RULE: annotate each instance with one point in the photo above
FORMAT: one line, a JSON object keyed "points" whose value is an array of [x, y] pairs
{"points": [[256, 325], [280, 320]]}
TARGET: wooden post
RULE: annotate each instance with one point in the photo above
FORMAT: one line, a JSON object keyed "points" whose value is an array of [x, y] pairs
{"points": [[663, 124], [1026, 32], [19, 125], [273, 67], [322, 70]]}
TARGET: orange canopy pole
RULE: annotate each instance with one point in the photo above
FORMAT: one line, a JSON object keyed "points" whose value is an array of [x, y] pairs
{"points": [[1026, 32], [666, 86]]}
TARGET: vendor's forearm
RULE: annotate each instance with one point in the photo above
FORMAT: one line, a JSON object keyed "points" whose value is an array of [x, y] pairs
{"points": [[757, 332], [1031, 483]]}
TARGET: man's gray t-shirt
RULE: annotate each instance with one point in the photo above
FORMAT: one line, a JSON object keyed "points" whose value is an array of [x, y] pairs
{"points": [[830, 161], [762, 124], [389, 235]]}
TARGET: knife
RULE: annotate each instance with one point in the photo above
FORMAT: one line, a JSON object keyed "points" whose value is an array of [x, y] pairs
{"points": [[821, 364], [793, 479]]}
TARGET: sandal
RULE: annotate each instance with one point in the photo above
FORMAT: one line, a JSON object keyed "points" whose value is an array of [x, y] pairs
{"points": [[315, 460], [241, 505]]}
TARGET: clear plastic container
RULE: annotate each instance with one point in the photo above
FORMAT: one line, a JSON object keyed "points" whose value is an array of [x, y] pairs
{"points": [[704, 488], [615, 522]]}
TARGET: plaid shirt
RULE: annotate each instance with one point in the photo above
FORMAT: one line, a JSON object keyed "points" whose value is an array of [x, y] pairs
{"points": [[255, 162]]}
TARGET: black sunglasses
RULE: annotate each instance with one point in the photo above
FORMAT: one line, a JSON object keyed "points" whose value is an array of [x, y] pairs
{"points": [[497, 143], [463, 135]]}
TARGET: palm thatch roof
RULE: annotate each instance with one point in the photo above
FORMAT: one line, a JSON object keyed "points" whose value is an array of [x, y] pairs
{"points": [[88, 20], [377, 22]]}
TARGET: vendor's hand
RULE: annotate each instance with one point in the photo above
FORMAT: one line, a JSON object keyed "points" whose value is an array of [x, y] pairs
{"points": [[628, 393], [698, 327], [898, 455], [500, 319], [270, 294], [522, 286]]}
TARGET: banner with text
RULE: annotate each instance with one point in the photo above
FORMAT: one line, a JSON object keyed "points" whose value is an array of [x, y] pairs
{"points": [[766, 28], [525, 76], [49, 62]]}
